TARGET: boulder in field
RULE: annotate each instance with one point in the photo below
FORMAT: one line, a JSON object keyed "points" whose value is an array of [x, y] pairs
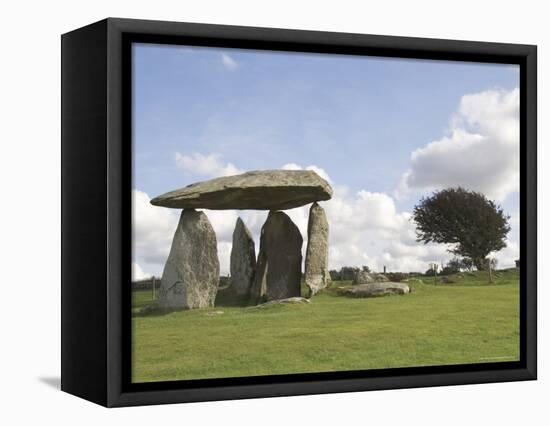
{"points": [[192, 271], [363, 277], [375, 289], [258, 190], [317, 276]]}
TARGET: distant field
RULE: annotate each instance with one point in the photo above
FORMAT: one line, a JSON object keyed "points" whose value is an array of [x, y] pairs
{"points": [[469, 321]]}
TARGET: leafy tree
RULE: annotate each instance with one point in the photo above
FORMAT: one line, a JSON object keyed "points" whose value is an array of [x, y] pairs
{"points": [[466, 264], [397, 276], [474, 225], [452, 267], [334, 275], [348, 273]]}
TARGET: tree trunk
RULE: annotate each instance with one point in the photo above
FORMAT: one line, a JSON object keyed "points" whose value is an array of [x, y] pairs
{"points": [[480, 263]]}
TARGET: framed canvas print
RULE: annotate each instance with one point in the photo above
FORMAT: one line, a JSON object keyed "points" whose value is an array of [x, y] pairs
{"points": [[254, 212]]}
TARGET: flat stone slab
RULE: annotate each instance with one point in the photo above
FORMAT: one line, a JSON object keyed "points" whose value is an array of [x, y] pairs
{"points": [[287, 301], [256, 190], [375, 289]]}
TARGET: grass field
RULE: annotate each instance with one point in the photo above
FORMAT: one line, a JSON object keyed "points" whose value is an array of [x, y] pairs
{"points": [[468, 321]]}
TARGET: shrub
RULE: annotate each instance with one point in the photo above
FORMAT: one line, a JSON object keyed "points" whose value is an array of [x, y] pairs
{"points": [[397, 276], [452, 267]]}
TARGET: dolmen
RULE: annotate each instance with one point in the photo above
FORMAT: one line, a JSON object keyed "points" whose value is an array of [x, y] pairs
{"points": [[191, 275]]}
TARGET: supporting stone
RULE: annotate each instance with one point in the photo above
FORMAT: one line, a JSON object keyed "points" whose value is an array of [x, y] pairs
{"points": [[192, 271], [279, 266], [242, 266], [317, 276]]}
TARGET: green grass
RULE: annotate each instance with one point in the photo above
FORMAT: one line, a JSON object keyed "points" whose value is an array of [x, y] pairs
{"points": [[469, 321]]}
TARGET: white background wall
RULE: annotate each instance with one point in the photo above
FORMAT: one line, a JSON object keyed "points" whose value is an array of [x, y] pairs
{"points": [[30, 211]]}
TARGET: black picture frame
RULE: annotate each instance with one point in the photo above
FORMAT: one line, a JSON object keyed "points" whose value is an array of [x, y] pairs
{"points": [[96, 203]]}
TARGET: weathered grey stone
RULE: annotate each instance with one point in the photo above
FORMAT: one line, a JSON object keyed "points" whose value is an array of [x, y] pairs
{"points": [[192, 271], [259, 190], [279, 265], [363, 277], [375, 289], [243, 259], [317, 276], [242, 265]]}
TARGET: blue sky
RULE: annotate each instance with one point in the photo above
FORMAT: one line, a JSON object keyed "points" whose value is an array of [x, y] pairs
{"points": [[359, 119]]}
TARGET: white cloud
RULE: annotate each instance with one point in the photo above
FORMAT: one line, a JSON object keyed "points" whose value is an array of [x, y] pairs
{"points": [[321, 172], [508, 255], [365, 227], [205, 165], [224, 256], [154, 227], [480, 152], [138, 273], [291, 166], [229, 63], [152, 232]]}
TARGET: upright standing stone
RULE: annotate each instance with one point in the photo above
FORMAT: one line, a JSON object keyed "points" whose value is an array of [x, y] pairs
{"points": [[192, 271], [279, 266], [316, 266], [242, 263]]}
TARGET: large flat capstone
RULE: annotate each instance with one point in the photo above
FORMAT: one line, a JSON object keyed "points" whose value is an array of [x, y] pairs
{"points": [[257, 190]]}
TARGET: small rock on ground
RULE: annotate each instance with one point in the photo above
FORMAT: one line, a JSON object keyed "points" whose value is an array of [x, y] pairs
{"points": [[287, 301]]}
